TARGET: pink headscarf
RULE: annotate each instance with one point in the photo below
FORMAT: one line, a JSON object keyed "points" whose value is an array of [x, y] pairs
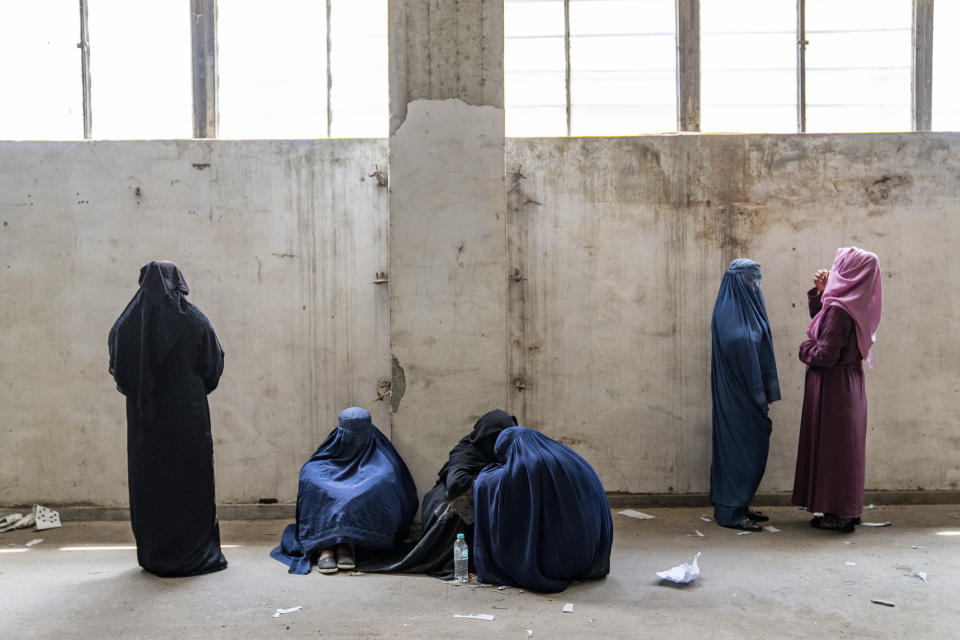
{"points": [[854, 286]]}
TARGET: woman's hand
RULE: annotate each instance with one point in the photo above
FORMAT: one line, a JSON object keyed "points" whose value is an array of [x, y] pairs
{"points": [[820, 279]]}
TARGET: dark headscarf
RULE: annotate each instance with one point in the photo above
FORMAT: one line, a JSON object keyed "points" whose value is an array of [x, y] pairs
{"points": [[474, 452], [143, 335]]}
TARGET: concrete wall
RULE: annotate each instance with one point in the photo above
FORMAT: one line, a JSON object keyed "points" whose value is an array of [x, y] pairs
{"points": [[622, 243], [279, 242], [618, 246]]}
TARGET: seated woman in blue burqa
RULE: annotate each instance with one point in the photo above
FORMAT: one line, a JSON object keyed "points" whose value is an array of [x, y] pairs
{"points": [[165, 358], [541, 515], [355, 491]]}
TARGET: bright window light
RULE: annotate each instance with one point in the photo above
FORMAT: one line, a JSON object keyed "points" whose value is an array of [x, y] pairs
{"points": [[948, 533], [140, 77], [359, 93], [858, 65], [16, 550], [534, 64], [748, 62], [623, 67], [272, 60], [946, 66], [40, 75]]}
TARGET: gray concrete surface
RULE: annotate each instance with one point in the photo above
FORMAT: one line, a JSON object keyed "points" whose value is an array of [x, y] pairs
{"points": [[619, 244], [279, 242], [448, 217], [82, 582], [623, 241]]}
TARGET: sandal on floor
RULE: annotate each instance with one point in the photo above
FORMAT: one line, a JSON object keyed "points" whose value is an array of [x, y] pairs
{"points": [[345, 560], [327, 564], [744, 525], [757, 516]]}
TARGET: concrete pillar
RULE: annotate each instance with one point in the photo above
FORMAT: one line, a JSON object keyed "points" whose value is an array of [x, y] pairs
{"points": [[448, 281]]}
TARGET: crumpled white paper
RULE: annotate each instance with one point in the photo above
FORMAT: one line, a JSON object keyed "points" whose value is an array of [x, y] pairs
{"points": [[276, 614], [475, 616], [682, 573]]}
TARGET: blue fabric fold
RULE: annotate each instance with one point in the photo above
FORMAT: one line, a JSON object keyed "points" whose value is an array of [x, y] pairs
{"points": [[541, 515], [743, 376], [355, 489]]}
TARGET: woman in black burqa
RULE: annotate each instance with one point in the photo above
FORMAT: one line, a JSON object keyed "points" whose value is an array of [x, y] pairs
{"points": [[165, 358], [448, 508]]}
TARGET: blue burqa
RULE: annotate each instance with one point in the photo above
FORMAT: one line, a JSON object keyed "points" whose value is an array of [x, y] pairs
{"points": [[355, 489], [743, 376], [541, 515]]}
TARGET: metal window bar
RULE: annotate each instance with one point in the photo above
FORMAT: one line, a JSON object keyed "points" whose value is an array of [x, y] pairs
{"points": [[801, 67], [566, 55], [84, 46], [921, 74]]}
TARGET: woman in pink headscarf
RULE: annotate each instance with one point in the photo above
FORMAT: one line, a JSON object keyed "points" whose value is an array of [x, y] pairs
{"points": [[845, 307]]}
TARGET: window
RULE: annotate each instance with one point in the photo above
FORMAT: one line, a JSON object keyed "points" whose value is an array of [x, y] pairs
{"points": [[359, 87], [622, 67], [272, 61], [534, 64], [858, 65], [946, 66], [141, 85], [40, 75], [748, 62]]}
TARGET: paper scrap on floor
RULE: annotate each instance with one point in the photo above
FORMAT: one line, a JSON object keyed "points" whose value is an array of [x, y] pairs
{"points": [[682, 573], [705, 519], [568, 608], [33, 542], [630, 513], [475, 616], [15, 521], [922, 575], [772, 529], [276, 614], [875, 524], [45, 518]]}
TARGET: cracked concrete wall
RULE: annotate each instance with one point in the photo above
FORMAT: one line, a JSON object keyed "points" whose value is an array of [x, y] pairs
{"points": [[620, 244], [614, 251], [279, 242]]}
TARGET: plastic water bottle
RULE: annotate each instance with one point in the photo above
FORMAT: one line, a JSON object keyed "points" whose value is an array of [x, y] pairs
{"points": [[461, 560]]}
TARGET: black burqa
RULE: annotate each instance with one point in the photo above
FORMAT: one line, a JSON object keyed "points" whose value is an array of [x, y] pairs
{"points": [[165, 358], [448, 508]]}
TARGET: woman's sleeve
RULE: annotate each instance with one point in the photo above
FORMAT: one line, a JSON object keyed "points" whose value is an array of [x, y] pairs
{"points": [[211, 359], [814, 301], [835, 331]]}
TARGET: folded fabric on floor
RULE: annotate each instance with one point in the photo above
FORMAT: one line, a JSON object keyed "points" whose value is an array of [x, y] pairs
{"points": [[542, 518], [448, 507], [355, 489]]}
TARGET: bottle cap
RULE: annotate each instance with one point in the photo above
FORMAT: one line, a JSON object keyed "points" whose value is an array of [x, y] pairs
{"points": [[459, 536]]}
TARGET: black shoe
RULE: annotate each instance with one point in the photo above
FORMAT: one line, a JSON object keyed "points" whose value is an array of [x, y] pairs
{"points": [[345, 560], [757, 516], [744, 525], [832, 522], [327, 564]]}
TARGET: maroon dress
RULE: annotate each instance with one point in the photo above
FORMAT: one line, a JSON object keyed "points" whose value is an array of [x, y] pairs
{"points": [[831, 455]]}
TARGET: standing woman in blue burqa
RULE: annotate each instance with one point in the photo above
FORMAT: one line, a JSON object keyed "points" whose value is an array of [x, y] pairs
{"points": [[743, 376], [165, 358]]}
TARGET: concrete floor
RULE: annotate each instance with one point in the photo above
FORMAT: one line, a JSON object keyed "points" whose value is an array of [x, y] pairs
{"points": [[798, 583]]}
